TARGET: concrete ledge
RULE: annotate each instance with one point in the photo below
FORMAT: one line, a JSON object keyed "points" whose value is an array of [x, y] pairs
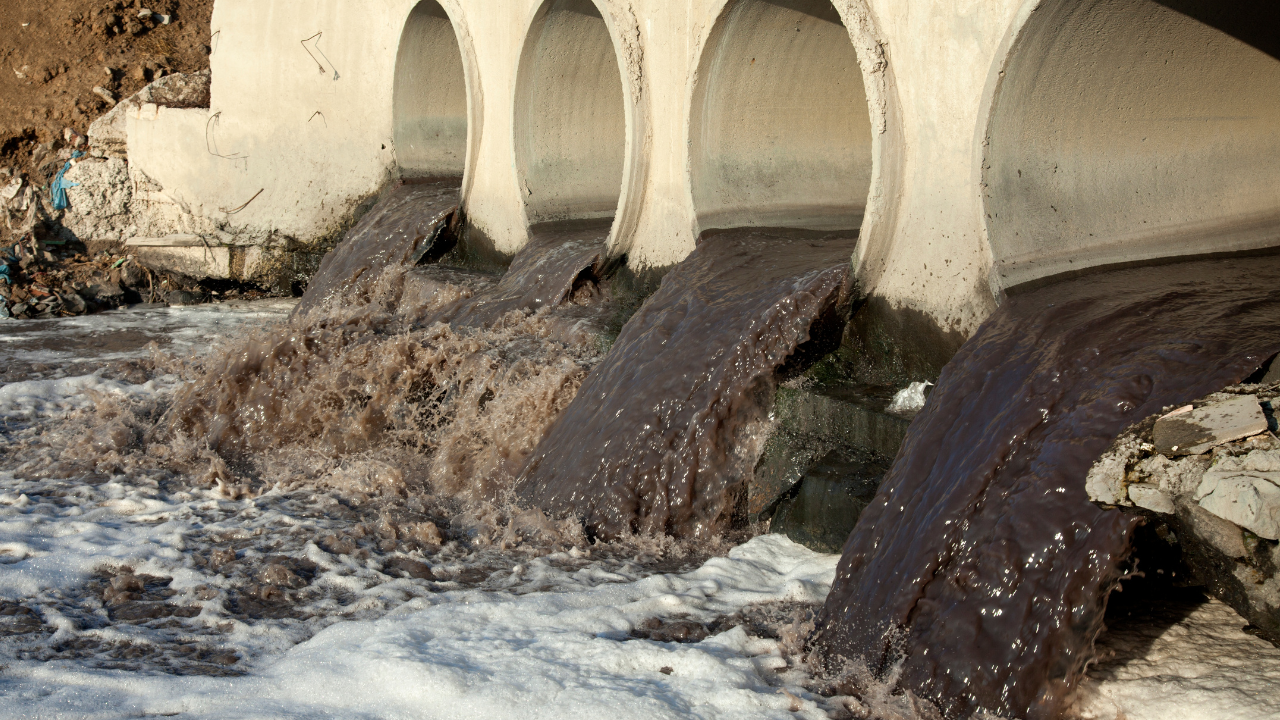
{"points": [[188, 255], [177, 241]]}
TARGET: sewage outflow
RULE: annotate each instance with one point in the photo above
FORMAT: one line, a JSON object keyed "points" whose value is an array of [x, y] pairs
{"points": [[978, 573], [981, 570]]}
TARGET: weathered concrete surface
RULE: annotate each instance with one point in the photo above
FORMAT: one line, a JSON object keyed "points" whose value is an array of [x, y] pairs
{"points": [[751, 111], [1125, 130]]}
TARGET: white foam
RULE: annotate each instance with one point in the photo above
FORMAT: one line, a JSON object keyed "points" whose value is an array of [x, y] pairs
{"points": [[493, 655], [51, 398]]}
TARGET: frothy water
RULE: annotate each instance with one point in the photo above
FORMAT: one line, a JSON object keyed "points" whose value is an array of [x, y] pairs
{"points": [[426, 474], [980, 573]]}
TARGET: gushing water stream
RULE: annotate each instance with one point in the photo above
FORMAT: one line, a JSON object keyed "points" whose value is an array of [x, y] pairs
{"points": [[981, 570]]}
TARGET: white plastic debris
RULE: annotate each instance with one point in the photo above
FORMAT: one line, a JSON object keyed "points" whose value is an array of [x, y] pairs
{"points": [[909, 400], [10, 191]]}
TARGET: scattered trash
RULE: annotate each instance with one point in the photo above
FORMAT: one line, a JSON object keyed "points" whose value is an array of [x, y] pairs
{"points": [[61, 185], [910, 400], [10, 191]]}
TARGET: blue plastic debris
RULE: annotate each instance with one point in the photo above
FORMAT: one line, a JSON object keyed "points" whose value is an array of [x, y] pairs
{"points": [[60, 185]]}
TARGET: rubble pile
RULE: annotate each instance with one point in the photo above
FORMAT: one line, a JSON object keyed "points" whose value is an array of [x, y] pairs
{"points": [[1207, 476]]}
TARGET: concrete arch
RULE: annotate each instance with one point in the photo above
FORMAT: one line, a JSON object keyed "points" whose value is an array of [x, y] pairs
{"points": [[575, 116], [781, 126], [1132, 130], [435, 108]]}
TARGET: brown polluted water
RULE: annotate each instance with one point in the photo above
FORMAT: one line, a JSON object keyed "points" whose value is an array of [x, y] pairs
{"points": [[560, 263], [664, 433], [446, 373], [979, 574], [400, 231]]}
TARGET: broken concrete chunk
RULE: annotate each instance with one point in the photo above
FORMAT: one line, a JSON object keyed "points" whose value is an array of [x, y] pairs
{"points": [[1105, 481], [1250, 499], [1191, 432], [108, 134], [105, 94], [1151, 497]]}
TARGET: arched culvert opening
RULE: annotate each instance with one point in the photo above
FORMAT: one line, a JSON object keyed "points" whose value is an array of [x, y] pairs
{"points": [[570, 118], [780, 129], [430, 112], [1130, 130]]}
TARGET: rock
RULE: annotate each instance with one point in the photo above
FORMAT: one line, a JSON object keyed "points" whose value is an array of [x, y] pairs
{"points": [[281, 576], [105, 94], [180, 298], [821, 510], [138, 611], [128, 582], [1219, 513], [101, 201], [812, 423], [73, 138], [1194, 431], [1249, 499], [425, 533], [133, 275], [104, 292], [1105, 481], [1151, 497], [73, 303], [221, 558]]}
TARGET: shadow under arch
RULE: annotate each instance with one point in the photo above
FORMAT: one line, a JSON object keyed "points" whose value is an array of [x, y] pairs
{"points": [[576, 120], [1132, 131], [434, 112], [781, 132]]}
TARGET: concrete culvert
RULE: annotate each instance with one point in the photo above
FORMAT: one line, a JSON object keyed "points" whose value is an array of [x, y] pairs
{"points": [[1130, 130], [430, 96], [780, 128], [570, 117]]}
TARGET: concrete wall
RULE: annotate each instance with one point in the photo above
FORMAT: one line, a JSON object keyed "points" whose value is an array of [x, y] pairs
{"points": [[1125, 130], [912, 119]]}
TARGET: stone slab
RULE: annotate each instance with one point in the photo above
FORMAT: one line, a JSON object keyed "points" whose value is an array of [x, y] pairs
{"points": [[166, 241], [1250, 499], [1191, 432], [196, 262]]}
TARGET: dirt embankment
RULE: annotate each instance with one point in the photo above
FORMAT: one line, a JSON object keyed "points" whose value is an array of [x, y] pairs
{"points": [[63, 64]]}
